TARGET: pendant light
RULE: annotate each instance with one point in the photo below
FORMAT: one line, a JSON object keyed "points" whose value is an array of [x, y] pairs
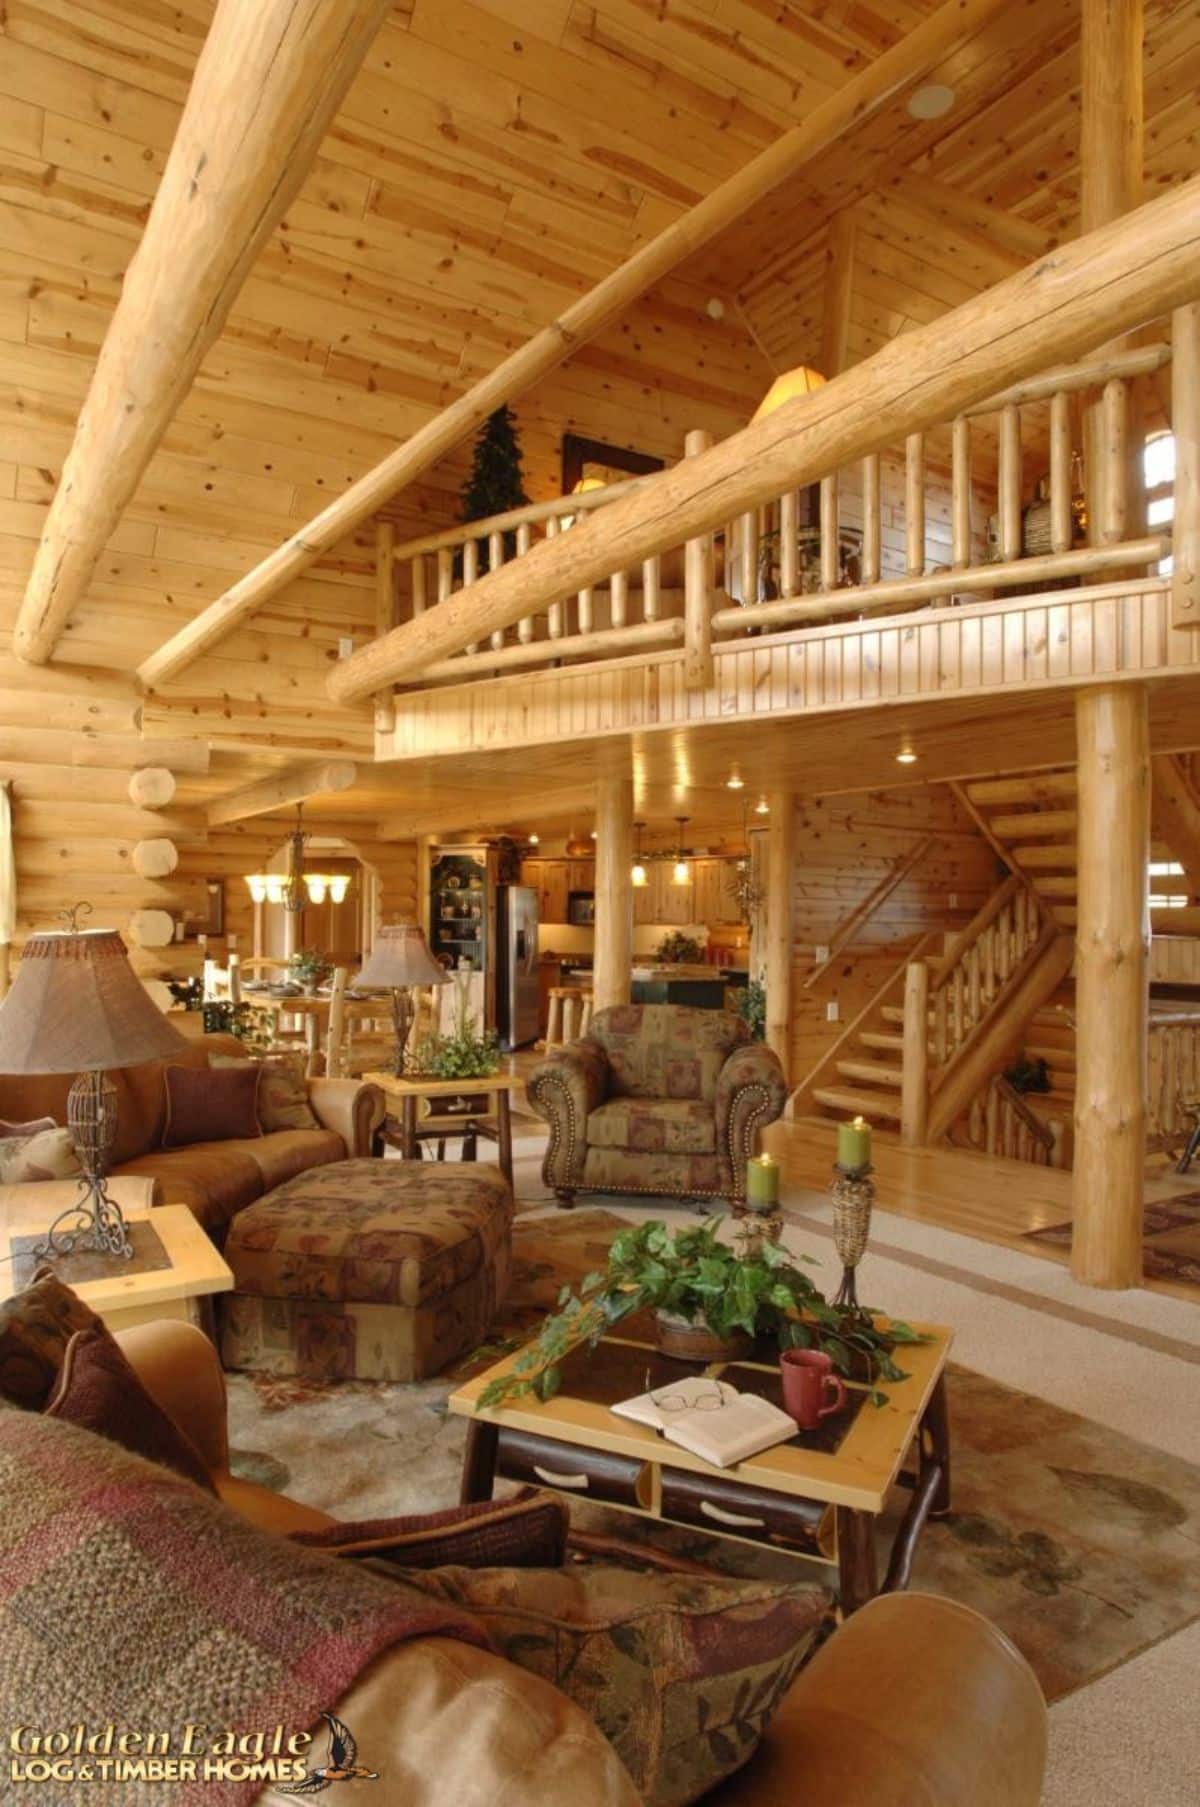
{"points": [[682, 872], [638, 878], [296, 888]]}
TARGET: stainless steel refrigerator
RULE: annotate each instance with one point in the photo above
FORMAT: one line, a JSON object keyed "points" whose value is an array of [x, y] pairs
{"points": [[517, 967]]}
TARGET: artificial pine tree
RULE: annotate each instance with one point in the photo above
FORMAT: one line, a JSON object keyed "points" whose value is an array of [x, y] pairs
{"points": [[495, 484]]}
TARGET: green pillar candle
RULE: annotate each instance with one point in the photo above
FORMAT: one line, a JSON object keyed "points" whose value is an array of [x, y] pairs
{"points": [[854, 1143], [762, 1182]]}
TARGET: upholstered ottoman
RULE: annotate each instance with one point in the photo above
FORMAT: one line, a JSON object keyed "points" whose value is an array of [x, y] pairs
{"points": [[367, 1270]]}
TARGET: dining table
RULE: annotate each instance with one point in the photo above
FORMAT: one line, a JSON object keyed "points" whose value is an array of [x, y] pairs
{"points": [[314, 1009]]}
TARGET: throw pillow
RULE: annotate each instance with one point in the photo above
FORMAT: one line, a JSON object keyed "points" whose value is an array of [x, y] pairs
{"points": [[98, 1390], [528, 1530], [47, 1154], [680, 1674], [36, 1325], [204, 1105], [282, 1090], [26, 1129]]}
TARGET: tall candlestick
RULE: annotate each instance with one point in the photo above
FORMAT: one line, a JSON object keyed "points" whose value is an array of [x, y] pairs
{"points": [[762, 1183]]}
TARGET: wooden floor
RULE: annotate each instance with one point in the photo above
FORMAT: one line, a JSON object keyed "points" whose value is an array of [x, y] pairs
{"points": [[977, 1195]]}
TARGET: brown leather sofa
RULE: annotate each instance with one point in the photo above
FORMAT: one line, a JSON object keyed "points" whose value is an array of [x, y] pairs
{"points": [[915, 1702], [214, 1179]]}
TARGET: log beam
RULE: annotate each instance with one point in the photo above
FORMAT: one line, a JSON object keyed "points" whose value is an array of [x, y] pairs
{"points": [[1176, 816], [470, 814], [268, 81], [1062, 307], [293, 786], [780, 916], [612, 973], [1112, 949], [850, 106]]}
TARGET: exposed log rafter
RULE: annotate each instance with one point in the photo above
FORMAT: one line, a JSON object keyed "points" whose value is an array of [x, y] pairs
{"points": [[292, 786]]}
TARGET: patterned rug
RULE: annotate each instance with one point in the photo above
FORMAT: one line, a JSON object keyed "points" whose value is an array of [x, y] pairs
{"points": [[1171, 1238], [1079, 1542]]}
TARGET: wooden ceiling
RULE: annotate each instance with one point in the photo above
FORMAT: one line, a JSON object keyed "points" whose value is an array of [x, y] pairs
{"points": [[493, 159]]}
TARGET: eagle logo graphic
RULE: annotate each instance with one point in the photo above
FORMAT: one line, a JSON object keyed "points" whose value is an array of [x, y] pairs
{"points": [[341, 1763]]}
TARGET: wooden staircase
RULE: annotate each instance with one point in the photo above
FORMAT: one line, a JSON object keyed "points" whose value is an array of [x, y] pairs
{"points": [[1030, 821], [863, 1073]]}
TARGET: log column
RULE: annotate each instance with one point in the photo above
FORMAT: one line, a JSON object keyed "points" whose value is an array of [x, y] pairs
{"points": [[614, 891], [781, 859], [1111, 983]]}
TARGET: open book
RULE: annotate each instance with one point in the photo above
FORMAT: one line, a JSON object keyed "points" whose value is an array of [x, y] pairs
{"points": [[710, 1418]]}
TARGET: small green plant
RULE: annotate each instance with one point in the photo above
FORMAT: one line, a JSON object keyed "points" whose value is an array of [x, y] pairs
{"points": [[692, 1274], [750, 1002], [222, 1017], [678, 949], [464, 1054], [309, 967]]}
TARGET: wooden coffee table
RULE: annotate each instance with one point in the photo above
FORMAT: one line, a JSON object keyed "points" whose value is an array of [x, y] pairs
{"points": [[817, 1496]]}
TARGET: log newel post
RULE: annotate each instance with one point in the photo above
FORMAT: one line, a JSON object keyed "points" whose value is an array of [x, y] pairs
{"points": [[781, 850], [1185, 422], [1111, 983], [914, 1089], [697, 591], [614, 891]]}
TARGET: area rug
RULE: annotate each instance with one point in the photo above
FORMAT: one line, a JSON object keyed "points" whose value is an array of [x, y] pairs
{"points": [[1170, 1238], [1079, 1542]]}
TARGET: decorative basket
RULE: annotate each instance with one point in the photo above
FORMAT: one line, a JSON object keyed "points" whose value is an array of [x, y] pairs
{"points": [[695, 1342]]}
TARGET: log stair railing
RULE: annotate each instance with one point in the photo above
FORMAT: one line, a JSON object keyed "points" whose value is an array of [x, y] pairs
{"points": [[772, 569], [1174, 1076], [1001, 1122], [858, 918]]}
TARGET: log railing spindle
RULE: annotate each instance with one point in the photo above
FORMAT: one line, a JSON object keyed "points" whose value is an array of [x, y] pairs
{"points": [[1061, 517], [1185, 422], [960, 493], [830, 559], [697, 586], [871, 556], [495, 560], [789, 551], [914, 504], [524, 541], [1010, 481]]}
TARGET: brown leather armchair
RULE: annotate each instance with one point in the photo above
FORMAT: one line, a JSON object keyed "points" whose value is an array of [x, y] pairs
{"points": [[657, 1099], [915, 1702]]}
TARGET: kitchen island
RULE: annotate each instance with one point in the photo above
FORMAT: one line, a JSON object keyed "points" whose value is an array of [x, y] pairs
{"points": [[700, 987]]}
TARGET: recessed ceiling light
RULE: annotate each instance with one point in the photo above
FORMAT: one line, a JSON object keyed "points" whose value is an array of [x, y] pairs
{"points": [[931, 101], [714, 307], [906, 756]]}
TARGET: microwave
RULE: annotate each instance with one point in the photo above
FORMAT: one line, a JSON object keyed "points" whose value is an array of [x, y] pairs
{"points": [[581, 909]]}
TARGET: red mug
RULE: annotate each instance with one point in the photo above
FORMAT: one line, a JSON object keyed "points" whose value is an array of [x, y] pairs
{"points": [[811, 1389]]}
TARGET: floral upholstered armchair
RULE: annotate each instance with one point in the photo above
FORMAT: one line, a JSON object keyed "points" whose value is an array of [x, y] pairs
{"points": [[657, 1099]]}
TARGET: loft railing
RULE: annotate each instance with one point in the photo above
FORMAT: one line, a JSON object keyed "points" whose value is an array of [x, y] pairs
{"points": [[835, 549]]}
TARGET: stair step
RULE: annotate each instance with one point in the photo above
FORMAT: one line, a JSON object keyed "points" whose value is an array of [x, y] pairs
{"points": [[860, 1104], [873, 1071], [1022, 790], [892, 1013], [1056, 884], [1060, 857], [1036, 822], [887, 1044]]}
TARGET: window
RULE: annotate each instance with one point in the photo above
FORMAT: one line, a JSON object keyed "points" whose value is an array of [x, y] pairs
{"points": [[1158, 467], [1167, 900]]}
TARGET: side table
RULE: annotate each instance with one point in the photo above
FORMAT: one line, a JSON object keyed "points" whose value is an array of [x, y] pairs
{"points": [[407, 1092]]}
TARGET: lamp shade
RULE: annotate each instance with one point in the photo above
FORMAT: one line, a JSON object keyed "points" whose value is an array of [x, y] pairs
{"points": [[401, 957], [785, 388], [77, 1006]]}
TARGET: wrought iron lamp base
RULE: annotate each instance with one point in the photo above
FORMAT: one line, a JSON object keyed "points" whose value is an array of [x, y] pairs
{"points": [[93, 1224]]}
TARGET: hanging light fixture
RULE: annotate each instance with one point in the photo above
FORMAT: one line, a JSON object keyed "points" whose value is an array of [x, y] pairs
{"points": [[638, 878], [682, 872], [762, 807], [735, 781], [296, 888]]}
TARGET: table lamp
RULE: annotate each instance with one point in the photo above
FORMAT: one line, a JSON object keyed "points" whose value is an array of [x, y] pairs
{"points": [[399, 961], [77, 1006]]}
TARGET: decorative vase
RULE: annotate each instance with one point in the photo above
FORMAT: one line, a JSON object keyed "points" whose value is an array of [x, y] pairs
{"points": [[690, 1341]]}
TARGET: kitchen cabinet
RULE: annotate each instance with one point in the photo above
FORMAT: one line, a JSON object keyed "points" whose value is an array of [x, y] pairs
{"points": [[551, 880]]}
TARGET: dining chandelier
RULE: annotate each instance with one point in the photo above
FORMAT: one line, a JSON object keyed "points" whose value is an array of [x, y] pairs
{"points": [[295, 889]]}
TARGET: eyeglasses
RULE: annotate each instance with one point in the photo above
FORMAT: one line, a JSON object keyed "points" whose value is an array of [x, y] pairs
{"points": [[712, 1399]]}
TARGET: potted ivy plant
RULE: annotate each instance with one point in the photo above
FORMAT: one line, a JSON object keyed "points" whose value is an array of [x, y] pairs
{"points": [[464, 1053], [691, 1275], [308, 969]]}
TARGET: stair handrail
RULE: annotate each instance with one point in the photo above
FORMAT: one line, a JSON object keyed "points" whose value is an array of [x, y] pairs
{"points": [[530, 514], [1040, 1131], [967, 937], [831, 1053]]}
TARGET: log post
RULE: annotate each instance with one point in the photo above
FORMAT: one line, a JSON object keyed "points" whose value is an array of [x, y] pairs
{"points": [[614, 891], [697, 590], [914, 1089], [1185, 421], [1111, 967], [1110, 170], [781, 853]]}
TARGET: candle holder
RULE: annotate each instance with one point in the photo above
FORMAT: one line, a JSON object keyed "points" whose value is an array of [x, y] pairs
{"points": [[853, 1195]]}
